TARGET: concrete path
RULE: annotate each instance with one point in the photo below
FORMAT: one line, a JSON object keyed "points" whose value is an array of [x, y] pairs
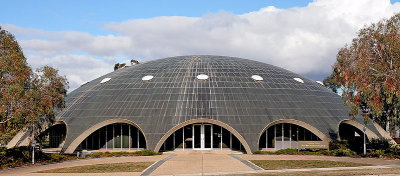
{"points": [[195, 162], [201, 163], [283, 171]]}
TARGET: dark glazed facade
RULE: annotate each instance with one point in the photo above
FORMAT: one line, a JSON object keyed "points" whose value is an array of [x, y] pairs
{"points": [[229, 96]]}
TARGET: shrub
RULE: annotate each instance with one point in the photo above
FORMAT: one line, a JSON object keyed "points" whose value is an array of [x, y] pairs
{"points": [[295, 152], [326, 152], [16, 156], [394, 150], [146, 152], [311, 151], [264, 152], [19, 156], [390, 152], [287, 151], [379, 144], [97, 154], [343, 152], [338, 144], [356, 144], [55, 157], [258, 152], [376, 153], [108, 154]]}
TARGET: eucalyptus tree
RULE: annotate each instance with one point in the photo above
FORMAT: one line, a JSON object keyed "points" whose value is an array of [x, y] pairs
{"points": [[26, 97], [368, 72]]}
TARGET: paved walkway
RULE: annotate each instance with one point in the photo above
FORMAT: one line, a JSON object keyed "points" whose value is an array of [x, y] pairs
{"points": [[200, 163], [283, 171]]}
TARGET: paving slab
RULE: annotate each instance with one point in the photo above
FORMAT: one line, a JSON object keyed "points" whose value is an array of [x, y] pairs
{"points": [[199, 162], [283, 171], [193, 162], [157, 164]]}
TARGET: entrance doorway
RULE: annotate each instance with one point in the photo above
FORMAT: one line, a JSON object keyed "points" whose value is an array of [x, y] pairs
{"points": [[202, 136]]}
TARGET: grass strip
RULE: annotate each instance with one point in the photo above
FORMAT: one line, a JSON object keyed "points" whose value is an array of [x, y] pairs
{"points": [[301, 164], [103, 168], [394, 171]]}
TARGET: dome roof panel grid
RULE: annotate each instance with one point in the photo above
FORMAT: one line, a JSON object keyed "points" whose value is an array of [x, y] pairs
{"points": [[174, 95]]}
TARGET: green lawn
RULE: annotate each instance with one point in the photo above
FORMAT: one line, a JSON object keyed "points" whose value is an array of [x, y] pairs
{"points": [[103, 168], [394, 171], [300, 164]]}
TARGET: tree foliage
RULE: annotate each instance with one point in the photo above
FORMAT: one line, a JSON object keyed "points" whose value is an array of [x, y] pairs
{"points": [[118, 66], [368, 71], [26, 97], [133, 61]]}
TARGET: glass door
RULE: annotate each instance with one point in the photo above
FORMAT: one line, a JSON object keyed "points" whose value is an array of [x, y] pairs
{"points": [[207, 136], [202, 136], [197, 139]]}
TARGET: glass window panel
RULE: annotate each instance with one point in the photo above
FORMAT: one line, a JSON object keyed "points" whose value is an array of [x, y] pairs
{"points": [[125, 136], [286, 129], [271, 141], [117, 135], [294, 132], [278, 132]]}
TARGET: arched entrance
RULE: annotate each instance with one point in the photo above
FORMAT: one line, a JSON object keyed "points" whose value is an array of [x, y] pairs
{"points": [[352, 132], [113, 134], [54, 136], [350, 129], [289, 133], [202, 134], [116, 136]]}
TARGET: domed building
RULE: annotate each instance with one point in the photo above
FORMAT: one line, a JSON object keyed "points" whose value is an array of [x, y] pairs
{"points": [[202, 103]]}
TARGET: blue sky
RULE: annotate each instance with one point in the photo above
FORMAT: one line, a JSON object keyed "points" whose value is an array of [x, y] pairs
{"points": [[84, 39], [91, 15]]}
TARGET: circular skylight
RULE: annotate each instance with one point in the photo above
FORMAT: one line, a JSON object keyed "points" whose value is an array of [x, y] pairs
{"points": [[257, 77], [202, 77], [105, 80], [147, 78], [319, 82], [299, 80]]}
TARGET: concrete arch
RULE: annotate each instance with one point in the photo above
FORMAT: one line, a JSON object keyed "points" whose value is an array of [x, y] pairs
{"points": [[307, 126], [58, 122], [66, 129], [383, 133], [203, 120], [359, 126], [74, 144], [24, 136]]}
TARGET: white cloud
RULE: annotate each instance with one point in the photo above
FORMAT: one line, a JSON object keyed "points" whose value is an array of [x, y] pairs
{"points": [[78, 69], [304, 40]]}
